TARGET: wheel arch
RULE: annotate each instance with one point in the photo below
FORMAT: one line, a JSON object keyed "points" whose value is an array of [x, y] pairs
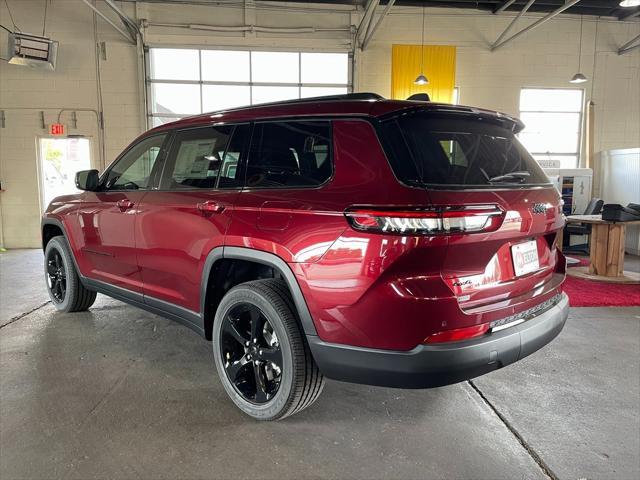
{"points": [[215, 267], [51, 227]]}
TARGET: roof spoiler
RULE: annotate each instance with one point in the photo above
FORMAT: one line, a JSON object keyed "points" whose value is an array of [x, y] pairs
{"points": [[420, 97]]}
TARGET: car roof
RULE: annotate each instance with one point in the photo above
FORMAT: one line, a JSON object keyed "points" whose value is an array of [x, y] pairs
{"points": [[349, 105]]}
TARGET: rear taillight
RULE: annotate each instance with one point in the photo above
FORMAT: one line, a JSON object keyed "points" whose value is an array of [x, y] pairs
{"points": [[430, 221], [458, 334]]}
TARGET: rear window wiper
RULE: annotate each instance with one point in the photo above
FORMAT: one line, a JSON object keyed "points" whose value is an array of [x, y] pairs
{"points": [[513, 177]]}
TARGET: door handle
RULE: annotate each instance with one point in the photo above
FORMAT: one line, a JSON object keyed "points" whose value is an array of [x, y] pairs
{"points": [[125, 204], [210, 207]]}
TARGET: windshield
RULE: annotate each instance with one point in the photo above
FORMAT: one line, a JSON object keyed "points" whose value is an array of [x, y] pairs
{"points": [[457, 151]]}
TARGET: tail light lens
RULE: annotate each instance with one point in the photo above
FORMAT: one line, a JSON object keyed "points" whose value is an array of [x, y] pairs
{"points": [[458, 334], [429, 221]]}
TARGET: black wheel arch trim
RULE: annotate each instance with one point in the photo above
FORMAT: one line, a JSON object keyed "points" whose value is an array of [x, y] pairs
{"points": [[265, 258]]}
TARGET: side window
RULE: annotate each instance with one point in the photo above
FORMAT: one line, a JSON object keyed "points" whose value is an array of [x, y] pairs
{"points": [[230, 172], [133, 171], [290, 154], [196, 157]]}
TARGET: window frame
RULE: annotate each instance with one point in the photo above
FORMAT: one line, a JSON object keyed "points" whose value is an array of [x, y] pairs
{"points": [[579, 147], [149, 81], [165, 174], [156, 171], [330, 153]]}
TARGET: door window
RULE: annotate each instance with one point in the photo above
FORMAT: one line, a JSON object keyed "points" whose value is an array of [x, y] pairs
{"points": [[196, 158], [135, 168], [290, 154]]}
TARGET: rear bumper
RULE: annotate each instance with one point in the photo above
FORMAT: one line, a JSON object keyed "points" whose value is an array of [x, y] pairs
{"points": [[439, 364]]}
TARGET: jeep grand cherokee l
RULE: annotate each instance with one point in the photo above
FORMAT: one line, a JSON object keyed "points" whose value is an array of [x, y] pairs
{"points": [[395, 243]]}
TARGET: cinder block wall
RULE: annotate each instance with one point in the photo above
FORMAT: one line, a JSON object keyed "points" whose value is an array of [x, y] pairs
{"points": [[546, 57]]}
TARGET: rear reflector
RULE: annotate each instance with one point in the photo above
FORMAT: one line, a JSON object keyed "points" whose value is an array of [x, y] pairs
{"points": [[458, 334], [430, 221]]}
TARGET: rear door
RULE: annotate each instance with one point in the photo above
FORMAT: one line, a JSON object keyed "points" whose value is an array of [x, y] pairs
{"points": [[188, 215], [475, 160], [107, 217]]}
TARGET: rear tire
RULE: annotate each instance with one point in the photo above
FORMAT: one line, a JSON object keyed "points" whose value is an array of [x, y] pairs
{"points": [[260, 353], [63, 283]]}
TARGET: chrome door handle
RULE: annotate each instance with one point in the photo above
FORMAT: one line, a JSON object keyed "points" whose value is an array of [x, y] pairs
{"points": [[210, 207], [125, 204]]}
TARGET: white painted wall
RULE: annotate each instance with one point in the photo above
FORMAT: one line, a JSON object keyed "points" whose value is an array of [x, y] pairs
{"points": [[544, 57]]}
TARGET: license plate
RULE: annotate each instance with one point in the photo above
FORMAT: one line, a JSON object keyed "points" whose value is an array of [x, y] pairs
{"points": [[525, 257]]}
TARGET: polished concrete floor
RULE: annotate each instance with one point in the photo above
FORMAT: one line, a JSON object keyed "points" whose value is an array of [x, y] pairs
{"points": [[120, 393]]}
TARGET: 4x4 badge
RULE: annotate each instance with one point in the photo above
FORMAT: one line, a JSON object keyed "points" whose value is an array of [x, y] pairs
{"points": [[539, 208]]}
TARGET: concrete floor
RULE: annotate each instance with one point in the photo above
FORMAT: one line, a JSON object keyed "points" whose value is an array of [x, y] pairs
{"points": [[120, 393]]}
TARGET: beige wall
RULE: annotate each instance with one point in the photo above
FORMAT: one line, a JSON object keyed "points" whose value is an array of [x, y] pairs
{"points": [[544, 57]]}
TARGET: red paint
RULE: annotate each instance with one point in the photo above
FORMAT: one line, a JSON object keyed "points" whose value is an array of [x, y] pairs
{"points": [[376, 290]]}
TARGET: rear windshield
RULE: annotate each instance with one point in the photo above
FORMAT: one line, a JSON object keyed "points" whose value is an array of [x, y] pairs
{"points": [[437, 150]]}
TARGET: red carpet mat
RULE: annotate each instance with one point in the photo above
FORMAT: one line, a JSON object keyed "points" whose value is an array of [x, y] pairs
{"points": [[589, 293]]}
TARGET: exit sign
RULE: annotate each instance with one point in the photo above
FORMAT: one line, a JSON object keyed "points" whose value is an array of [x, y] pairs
{"points": [[57, 129]]}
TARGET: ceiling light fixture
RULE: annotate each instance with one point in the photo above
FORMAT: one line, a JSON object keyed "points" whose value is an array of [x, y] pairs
{"points": [[630, 3], [579, 77], [421, 79]]}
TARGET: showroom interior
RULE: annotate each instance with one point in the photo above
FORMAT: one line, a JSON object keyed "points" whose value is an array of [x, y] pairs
{"points": [[120, 392]]}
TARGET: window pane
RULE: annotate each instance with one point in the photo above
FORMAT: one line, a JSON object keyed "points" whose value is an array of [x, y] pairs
{"points": [[550, 100], [225, 66], [550, 132], [322, 91], [274, 94], [290, 154], [196, 157], [540, 143], [219, 97], [325, 67], [279, 67], [133, 170], [174, 64], [175, 98]]}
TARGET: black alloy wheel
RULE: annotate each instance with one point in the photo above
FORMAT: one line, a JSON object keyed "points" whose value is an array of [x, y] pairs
{"points": [[251, 353], [56, 276]]}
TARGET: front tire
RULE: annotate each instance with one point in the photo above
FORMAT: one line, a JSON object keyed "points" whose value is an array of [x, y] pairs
{"points": [[261, 356], [63, 283]]}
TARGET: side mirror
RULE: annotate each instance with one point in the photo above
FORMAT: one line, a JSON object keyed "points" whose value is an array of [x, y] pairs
{"points": [[87, 180]]}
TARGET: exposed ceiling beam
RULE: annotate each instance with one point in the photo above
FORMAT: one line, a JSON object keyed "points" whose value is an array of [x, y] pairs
{"points": [[513, 22], [368, 37], [627, 47], [366, 19], [536, 24], [504, 6], [128, 22], [130, 38], [631, 15]]}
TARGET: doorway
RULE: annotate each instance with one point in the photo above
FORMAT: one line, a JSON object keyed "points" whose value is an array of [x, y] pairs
{"points": [[60, 159]]}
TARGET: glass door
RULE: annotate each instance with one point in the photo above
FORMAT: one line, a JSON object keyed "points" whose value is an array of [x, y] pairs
{"points": [[60, 159]]}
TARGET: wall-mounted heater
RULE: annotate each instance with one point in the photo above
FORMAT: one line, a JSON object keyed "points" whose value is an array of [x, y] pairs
{"points": [[32, 51]]}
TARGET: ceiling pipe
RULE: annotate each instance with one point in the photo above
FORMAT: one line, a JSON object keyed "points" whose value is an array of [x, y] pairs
{"points": [[535, 24], [128, 22], [513, 22], [627, 47], [248, 28]]}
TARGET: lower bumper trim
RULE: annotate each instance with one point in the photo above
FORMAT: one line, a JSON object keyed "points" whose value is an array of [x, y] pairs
{"points": [[436, 365]]}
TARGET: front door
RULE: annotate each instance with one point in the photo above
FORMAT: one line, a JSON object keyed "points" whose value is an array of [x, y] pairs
{"points": [[107, 217], [187, 217]]}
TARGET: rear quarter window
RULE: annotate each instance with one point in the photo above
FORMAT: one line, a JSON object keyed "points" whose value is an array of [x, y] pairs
{"points": [[457, 152]]}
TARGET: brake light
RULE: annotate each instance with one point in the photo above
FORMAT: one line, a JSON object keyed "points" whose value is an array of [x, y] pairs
{"points": [[458, 334], [432, 221]]}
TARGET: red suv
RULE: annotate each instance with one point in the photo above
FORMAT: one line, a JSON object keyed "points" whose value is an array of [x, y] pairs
{"points": [[395, 243]]}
